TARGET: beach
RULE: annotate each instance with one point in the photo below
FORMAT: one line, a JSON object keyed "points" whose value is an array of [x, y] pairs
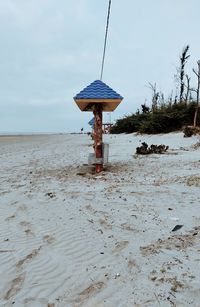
{"points": [[70, 237]]}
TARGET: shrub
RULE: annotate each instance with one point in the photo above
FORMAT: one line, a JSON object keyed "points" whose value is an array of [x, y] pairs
{"points": [[168, 118]]}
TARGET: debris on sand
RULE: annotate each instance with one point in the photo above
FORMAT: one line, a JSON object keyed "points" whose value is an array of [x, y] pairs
{"points": [[175, 242], [75, 238], [177, 227], [50, 195], [190, 131], [196, 146], [152, 149], [193, 181]]}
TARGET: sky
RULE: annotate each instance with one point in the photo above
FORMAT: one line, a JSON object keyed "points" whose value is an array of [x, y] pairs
{"points": [[51, 49]]}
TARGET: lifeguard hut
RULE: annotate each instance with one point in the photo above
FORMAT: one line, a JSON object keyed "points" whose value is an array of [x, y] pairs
{"points": [[98, 98]]}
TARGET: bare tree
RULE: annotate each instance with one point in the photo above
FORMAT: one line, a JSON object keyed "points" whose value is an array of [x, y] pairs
{"points": [[187, 87], [175, 99], [155, 96], [197, 73], [181, 72], [161, 99], [170, 98], [184, 57]]}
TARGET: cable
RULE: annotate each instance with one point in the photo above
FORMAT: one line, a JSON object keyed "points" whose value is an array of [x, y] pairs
{"points": [[105, 42]]}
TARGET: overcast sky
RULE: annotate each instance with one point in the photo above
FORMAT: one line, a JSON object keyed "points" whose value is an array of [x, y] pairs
{"points": [[52, 49]]}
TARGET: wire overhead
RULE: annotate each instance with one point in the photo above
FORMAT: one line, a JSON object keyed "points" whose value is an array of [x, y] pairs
{"points": [[105, 42]]}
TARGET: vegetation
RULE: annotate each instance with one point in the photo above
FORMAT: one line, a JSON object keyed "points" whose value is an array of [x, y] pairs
{"points": [[166, 115]]}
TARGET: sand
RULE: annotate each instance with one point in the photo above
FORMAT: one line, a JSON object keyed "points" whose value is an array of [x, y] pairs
{"points": [[69, 237]]}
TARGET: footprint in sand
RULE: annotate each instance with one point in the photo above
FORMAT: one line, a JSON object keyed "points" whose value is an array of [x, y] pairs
{"points": [[15, 286], [33, 301], [29, 232], [90, 291], [126, 226], [25, 224], [49, 239], [29, 257], [91, 209], [28, 229], [133, 266], [120, 246], [22, 208], [10, 218], [105, 223]]}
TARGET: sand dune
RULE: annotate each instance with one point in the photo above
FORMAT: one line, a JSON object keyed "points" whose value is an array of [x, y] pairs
{"points": [[69, 237]]}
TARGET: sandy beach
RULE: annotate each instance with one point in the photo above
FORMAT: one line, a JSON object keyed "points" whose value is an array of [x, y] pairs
{"points": [[69, 237]]}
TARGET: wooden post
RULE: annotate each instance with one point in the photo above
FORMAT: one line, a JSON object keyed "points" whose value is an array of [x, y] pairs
{"points": [[98, 138]]}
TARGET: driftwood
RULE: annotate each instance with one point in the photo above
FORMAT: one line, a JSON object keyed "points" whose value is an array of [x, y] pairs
{"points": [[153, 149]]}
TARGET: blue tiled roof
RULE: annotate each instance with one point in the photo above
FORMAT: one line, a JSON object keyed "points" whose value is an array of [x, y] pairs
{"points": [[91, 122], [98, 90]]}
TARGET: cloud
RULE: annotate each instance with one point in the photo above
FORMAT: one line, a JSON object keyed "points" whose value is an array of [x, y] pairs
{"points": [[51, 49], [44, 102]]}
